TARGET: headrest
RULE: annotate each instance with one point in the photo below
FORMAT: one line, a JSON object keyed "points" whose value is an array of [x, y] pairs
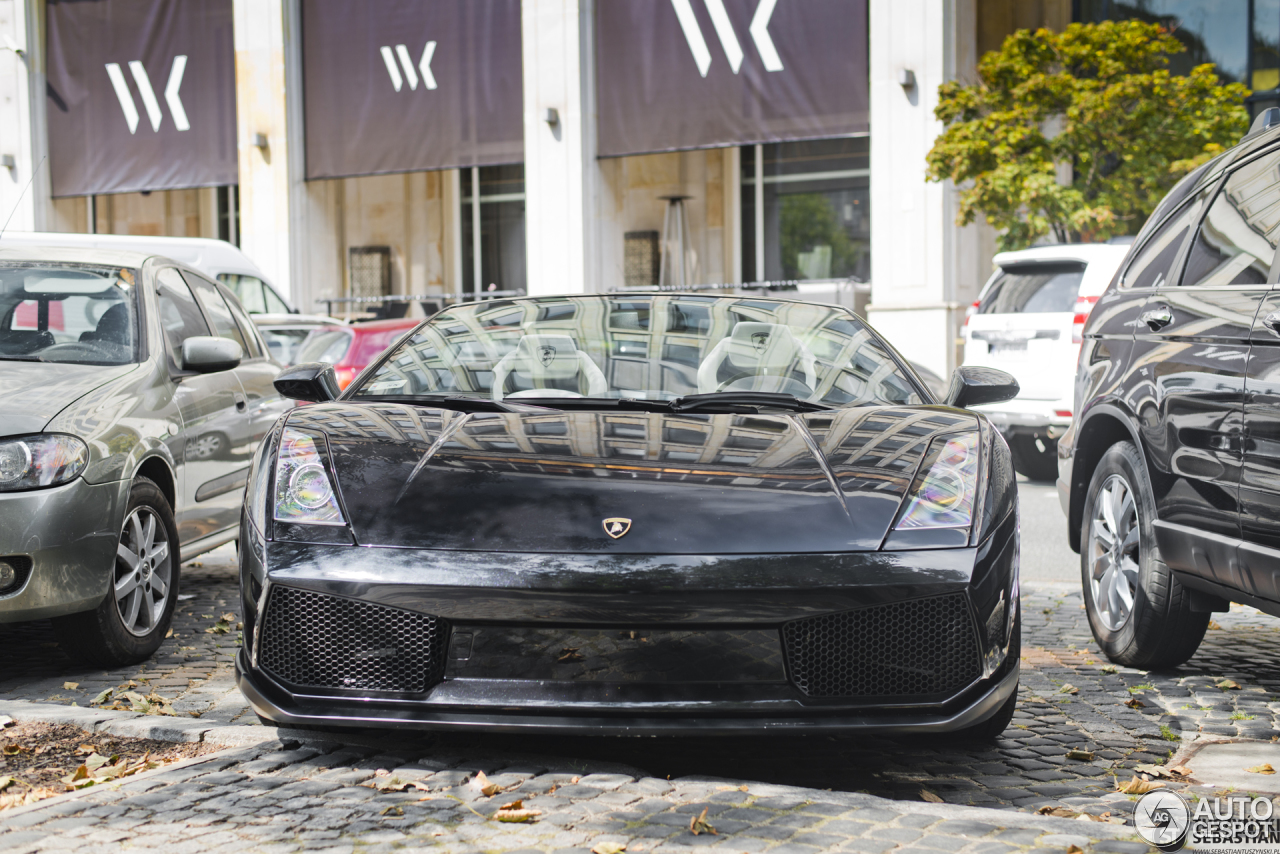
{"points": [[547, 357], [767, 346]]}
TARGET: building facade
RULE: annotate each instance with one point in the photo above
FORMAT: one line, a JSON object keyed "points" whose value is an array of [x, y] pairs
{"points": [[551, 146]]}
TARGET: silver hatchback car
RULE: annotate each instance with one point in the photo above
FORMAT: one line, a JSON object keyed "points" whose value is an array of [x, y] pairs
{"points": [[133, 392]]}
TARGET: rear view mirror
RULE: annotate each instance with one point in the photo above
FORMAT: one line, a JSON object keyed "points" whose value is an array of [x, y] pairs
{"points": [[206, 354], [313, 382], [973, 386]]}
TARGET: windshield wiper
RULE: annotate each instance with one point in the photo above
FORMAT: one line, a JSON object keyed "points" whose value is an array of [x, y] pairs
{"points": [[744, 401], [22, 359], [458, 404]]}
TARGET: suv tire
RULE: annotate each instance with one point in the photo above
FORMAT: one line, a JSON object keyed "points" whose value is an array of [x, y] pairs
{"points": [[1139, 612], [1032, 462], [150, 537]]}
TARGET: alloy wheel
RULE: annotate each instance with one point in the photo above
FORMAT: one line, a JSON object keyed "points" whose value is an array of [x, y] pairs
{"points": [[1113, 552], [143, 571]]}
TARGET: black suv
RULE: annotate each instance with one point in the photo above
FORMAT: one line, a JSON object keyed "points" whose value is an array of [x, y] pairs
{"points": [[1170, 472]]}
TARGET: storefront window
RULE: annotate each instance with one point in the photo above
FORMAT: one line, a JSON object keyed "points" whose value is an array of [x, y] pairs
{"points": [[502, 231], [814, 210], [1241, 37]]}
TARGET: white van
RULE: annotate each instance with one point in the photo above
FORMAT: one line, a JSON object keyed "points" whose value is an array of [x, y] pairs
{"points": [[217, 259], [1028, 321]]}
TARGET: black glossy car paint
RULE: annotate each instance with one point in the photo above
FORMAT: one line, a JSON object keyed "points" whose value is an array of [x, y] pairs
{"points": [[1183, 364]]}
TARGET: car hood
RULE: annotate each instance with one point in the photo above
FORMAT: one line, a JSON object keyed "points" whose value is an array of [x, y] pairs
{"points": [[34, 392], [682, 484]]}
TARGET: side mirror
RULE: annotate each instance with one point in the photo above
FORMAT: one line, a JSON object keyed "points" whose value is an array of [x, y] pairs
{"points": [[207, 355], [973, 386], [313, 382]]}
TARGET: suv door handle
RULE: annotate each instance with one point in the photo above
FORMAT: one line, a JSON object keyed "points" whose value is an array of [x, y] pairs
{"points": [[1272, 322], [240, 402], [1157, 318]]}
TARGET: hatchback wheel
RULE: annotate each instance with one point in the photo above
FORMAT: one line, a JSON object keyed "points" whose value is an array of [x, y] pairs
{"points": [[130, 623], [1139, 612]]}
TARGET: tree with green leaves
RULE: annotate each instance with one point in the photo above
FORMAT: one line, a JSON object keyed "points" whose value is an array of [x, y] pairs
{"points": [[1097, 97]]}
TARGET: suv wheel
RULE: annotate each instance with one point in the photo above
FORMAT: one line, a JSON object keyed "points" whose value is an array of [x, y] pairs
{"points": [[1139, 613], [130, 623], [1032, 462]]}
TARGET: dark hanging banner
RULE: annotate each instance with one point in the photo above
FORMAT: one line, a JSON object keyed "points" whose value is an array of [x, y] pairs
{"points": [[408, 85], [141, 95], [676, 74]]}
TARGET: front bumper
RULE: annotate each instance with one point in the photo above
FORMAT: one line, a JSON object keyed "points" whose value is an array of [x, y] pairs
{"points": [[563, 595], [69, 534]]}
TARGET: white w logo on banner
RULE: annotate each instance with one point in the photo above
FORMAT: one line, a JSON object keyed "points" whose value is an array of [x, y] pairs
{"points": [[759, 31], [424, 65], [148, 94]]}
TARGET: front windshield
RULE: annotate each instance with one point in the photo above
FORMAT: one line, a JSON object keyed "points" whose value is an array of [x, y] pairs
{"points": [[644, 347], [85, 314]]}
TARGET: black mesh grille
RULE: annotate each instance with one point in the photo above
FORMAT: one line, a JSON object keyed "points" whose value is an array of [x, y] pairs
{"points": [[313, 640], [922, 647]]}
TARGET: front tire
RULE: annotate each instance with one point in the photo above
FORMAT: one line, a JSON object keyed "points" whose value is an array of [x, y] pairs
{"points": [[130, 623], [1139, 612]]}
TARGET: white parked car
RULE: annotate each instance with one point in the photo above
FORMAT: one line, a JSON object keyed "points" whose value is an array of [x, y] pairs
{"points": [[217, 259], [1028, 321]]}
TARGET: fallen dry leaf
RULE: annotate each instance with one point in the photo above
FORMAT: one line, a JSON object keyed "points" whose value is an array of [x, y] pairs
{"points": [[14, 749], [1180, 771], [1137, 786], [1135, 703], [169, 633], [101, 698], [516, 813], [1074, 849], [1080, 753], [6, 782], [570, 653], [70, 686], [487, 787], [1214, 627], [1265, 768], [930, 797], [1227, 685], [698, 824], [393, 811], [1068, 689], [227, 617], [574, 779], [1060, 812], [608, 848]]}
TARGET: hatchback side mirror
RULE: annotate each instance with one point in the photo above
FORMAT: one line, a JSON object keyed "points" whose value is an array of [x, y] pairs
{"points": [[973, 386], [207, 355], [313, 382]]}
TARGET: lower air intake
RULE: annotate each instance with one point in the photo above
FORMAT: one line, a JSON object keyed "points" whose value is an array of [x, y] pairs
{"points": [[312, 640], [918, 648]]}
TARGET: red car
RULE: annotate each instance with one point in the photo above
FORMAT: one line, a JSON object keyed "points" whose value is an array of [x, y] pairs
{"points": [[350, 348]]}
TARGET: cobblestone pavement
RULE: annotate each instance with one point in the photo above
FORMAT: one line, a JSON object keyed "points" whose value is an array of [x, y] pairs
{"points": [[1071, 699], [285, 797]]}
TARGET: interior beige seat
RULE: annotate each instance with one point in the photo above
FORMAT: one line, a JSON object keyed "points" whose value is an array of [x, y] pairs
{"points": [[759, 357], [547, 366]]}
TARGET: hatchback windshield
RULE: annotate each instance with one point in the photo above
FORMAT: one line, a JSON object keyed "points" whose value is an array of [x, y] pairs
{"points": [[80, 313], [553, 349]]}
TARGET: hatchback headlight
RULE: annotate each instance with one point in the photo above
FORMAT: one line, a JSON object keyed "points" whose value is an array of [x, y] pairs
{"points": [[304, 492], [944, 491], [44, 460]]}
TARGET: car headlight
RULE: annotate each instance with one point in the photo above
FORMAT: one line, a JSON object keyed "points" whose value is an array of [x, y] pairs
{"points": [[945, 489], [44, 460], [304, 493]]}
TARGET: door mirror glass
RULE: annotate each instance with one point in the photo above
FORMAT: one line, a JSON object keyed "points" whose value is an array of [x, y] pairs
{"points": [[973, 386], [206, 354], [313, 382]]}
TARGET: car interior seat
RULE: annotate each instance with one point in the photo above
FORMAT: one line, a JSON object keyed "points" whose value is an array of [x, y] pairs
{"points": [[759, 357], [547, 366], [112, 328]]}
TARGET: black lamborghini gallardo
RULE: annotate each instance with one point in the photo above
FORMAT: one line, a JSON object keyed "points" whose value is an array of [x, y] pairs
{"points": [[664, 513]]}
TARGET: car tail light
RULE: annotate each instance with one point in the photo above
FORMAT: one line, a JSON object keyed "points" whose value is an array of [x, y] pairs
{"points": [[971, 311], [1084, 305], [1062, 413], [345, 376]]}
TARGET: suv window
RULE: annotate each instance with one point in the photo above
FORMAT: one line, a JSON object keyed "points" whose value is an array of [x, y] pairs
{"points": [[224, 324], [1237, 239], [248, 289], [1150, 266], [1033, 289], [179, 314], [250, 332]]}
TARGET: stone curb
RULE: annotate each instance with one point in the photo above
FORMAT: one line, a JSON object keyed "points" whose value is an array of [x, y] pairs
{"points": [[155, 727]]}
